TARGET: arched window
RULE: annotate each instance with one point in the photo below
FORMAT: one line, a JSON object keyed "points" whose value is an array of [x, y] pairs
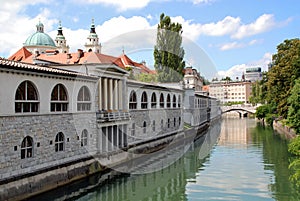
{"points": [[169, 123], [84, 99], [26, 98], [144, 101], [84, 138], [144, 127], [132, 100], [168, 101], [59, 142], [27, 147], [161, 101], [133, 129], [153, 100], [179, 101], [161, 123], [174, 122], [174, 101], [153, 125], [59, 99]]}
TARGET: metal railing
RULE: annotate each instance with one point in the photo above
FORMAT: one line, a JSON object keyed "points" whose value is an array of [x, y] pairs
{"points": [[105, 115]]}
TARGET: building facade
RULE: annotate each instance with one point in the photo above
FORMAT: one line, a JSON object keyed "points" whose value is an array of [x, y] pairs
{"points": [[226, 91], [253, 74], [192, 79]]}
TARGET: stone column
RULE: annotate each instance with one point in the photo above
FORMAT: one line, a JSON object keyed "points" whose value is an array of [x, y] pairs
{"points": [[100, 94], [105, 97], [120, 87], [110, 94], [116, 107]]}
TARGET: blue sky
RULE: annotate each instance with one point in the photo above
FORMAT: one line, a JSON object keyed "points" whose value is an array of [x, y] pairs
{"points": [[234, 34]]}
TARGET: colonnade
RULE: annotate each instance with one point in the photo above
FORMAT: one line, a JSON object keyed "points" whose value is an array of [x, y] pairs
{"points": [[111, 94], [113, 137]]}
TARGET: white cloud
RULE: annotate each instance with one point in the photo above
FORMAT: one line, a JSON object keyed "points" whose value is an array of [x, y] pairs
{"points": [[231, 26], [262, 24], [233, 45], [238, 45], [202, 1], [121, 5], [17, 26], [239, 69]]}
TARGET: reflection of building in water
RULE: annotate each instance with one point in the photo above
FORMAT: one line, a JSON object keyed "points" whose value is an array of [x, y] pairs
{"points": [[233, 133]]}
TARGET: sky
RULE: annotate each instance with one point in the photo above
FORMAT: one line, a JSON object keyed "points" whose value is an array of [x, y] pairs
{"points": [[220, 37]]}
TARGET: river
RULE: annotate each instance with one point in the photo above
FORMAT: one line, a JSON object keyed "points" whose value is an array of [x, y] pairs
{"points": [[237, 159]]}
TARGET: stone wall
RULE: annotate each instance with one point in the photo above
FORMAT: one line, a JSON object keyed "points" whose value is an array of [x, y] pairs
{"points": [[43, 130]]}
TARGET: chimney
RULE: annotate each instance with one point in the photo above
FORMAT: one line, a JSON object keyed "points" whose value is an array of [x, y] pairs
{"points": [[69, 56], [79, 53]]}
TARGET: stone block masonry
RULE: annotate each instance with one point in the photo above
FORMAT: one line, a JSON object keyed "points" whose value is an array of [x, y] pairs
{"points": [[42, 129]]}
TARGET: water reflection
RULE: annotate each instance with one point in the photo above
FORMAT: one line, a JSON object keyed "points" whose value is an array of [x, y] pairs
{"points": [[249, 162]]}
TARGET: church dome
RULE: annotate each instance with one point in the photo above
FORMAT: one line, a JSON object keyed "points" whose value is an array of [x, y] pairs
{"points": [[39, 38]]}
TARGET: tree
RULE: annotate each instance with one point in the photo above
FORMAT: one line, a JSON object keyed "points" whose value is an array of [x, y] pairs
{"points": [[294, 148], [281, 77], [168, 53], [227, 78], [294, 107], [146, 77], [259, 90]]}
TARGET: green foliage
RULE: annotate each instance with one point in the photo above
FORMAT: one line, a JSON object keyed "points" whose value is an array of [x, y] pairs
{"points": [[259, 90], [293, 117], [233, 103], [168, 53], [281, 77], [294, 148], [146, 77], [262, 111], [226, 79]]}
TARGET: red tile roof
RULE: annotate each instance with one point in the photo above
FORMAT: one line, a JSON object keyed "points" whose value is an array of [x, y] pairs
{"points": [[78, 57], [20, 55]]}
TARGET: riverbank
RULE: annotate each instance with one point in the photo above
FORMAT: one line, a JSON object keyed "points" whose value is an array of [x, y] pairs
{"points": [[283, 129], [35, 183]]}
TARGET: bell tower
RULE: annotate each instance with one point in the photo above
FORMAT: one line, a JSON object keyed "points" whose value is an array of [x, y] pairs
{"points": [[92, 44], [60, 40]]}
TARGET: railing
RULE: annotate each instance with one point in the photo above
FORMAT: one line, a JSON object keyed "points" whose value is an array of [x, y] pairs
{"points": [[104, 115]]}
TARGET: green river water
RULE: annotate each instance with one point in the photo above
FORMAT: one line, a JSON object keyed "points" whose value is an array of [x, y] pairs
{"points": [[237, 159]]}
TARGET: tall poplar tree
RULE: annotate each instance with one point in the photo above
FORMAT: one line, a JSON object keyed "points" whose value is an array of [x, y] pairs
{"points": [[168, 52]]}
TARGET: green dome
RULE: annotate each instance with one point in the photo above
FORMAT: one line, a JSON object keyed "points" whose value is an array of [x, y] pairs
{"points": [[39, 39]]}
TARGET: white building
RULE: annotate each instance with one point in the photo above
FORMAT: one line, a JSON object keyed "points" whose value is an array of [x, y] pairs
{"points": [[231, 91], [253, 74], [192, 79]]}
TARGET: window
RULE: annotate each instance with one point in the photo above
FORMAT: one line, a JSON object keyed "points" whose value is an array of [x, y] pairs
{"points": [[168, 123], [84, 138], [168, 101], [153, 125], [174, 122], [179, 101], [174, 101], [153, 100], [144, 127], [27, 148], [161, 101], [144, 101], [179, 120], [132, 100], [59, 142], [59, 99], [84, 99], [161, 123], [26, 98], [133, 129]]}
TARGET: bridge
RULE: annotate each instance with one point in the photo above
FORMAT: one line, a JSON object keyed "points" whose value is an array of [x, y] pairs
{"points": [[241, 108]]}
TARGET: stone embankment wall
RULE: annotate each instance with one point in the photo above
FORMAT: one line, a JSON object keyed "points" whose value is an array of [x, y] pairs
{"points": [[287, 131]]}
